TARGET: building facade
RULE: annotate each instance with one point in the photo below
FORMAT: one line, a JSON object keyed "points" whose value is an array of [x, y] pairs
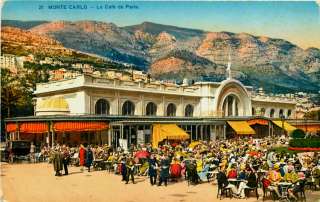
{"points": [[87, 94], [120, 112]]}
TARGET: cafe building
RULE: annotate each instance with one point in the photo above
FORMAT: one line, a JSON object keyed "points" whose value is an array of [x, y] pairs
{"points": [[120, 112]]}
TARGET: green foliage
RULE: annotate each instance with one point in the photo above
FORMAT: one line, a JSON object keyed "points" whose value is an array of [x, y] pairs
{"points": [[17, 90], [283, 150], [314, 115], [311, 143], [298, 133]]}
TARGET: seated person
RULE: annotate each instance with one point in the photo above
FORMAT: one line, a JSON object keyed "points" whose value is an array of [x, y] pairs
{"points": [[250, 181], [223, 181], [204, 173], [291, 175], [274, 177], [242, 175], [297, 187], [232, 173], [316, 174]]}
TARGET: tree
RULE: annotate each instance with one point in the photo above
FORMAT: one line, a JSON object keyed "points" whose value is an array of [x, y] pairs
{"points": [[12, 93]]}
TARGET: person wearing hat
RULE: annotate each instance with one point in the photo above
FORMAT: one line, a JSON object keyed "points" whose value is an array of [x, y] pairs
{"points": [[316, 174], [274, 177], [130, 170], [250, 181], [224, 183], [89, 157], [57, 161], [297, 187], [291, 175], [153, 166], [164, 170]]}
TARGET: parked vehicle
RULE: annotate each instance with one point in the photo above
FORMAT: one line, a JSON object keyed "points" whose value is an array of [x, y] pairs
{"points": [[17, 150]]}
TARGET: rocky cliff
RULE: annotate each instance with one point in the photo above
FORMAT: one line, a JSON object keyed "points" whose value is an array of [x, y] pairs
{"points": [[169, 51]]}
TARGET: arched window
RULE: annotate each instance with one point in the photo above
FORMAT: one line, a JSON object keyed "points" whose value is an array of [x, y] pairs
{"points": [[171, 110], [102, 107], [128, 108], [263, 111], [253, 111], [281, 113], [271, 113], [188, 111], [289, 113], [151, 109], [230, 106]]}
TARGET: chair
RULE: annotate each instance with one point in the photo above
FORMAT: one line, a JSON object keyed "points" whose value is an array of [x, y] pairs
{"points": [[301, 192], [311, 183], [249, 189], [266, 191], [223, 191]]}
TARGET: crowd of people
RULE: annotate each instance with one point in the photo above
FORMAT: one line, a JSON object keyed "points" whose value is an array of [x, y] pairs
{"points": [[239, 165]]}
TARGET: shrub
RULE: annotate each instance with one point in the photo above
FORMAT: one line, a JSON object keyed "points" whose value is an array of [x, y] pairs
{"points": [[298, 133], [311, 143]]}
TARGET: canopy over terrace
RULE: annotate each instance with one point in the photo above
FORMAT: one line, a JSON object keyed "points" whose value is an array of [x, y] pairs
{"points": [[284, 125], [241, 127], [167, 131], [32, 129]]}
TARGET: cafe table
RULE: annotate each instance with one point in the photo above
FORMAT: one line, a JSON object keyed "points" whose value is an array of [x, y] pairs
{"points": [[284, 186]]}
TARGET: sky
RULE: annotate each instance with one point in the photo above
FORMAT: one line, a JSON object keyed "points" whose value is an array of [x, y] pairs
{"points": [[297, 22]]}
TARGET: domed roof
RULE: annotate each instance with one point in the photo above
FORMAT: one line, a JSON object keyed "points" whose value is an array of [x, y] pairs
{"points": [[53, 104]]}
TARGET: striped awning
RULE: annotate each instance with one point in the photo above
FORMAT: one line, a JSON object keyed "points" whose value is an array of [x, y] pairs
{"points": [[241, 127], [258, 121], [161, 132], [11, 127], [79, 126], [34, 127], [286, 126]]}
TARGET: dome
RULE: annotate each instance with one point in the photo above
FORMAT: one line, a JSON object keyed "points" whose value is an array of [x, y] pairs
{"points": [[51, 106]]}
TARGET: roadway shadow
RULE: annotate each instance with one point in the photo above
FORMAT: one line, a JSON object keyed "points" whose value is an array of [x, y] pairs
{"points": [[73, 173]]}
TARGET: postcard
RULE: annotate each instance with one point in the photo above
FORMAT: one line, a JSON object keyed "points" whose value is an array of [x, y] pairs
{"points": [[135, 101]]}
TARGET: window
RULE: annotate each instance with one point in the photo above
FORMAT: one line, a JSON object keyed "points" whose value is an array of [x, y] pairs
{"points": [[289, 113], [263, 111], [151, 109], [230, 106], [171, 110], [102, 107], [188, 111], [281, 113], [271, 113], [253, 111], [128, 108]]}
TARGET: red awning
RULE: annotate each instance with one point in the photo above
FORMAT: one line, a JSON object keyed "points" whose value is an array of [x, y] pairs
{"points": [[11, 127], [79, 126], [258, 121], [34, 127]]}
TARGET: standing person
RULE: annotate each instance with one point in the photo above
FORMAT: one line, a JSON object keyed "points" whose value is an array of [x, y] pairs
{"points": [[66, 159], [153, 169], [123, 168], [164, 172], [130, 169], [57, 161], [82, 156], [32, 152], [89, 157]]}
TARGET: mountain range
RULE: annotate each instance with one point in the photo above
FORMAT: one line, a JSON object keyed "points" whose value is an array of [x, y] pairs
{"points": [[170, 52]]}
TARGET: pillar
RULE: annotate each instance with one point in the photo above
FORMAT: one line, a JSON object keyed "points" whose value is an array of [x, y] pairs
{"points": [[52, 140], [226, 108], [109, 136], [233, 107], [197, 132], [201, 132], [224, 131]]}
